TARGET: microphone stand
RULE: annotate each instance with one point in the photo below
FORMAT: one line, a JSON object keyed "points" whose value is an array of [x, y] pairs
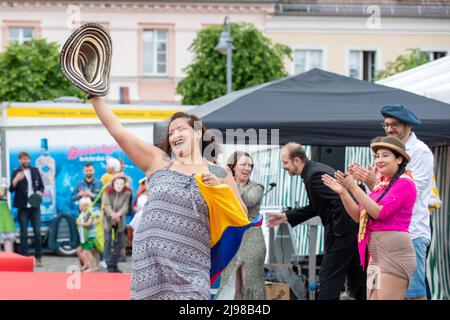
{"points": [[272, 185]]}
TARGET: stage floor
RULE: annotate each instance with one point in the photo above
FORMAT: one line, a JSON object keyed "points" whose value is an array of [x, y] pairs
{"points": [[64, 286]]}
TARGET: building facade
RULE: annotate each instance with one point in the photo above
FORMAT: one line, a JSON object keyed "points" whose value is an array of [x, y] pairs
{"points": [[356, 38], [151, 39]]}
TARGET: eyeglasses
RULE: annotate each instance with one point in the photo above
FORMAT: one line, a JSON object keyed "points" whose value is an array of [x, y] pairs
{"points": [[393, 125]]}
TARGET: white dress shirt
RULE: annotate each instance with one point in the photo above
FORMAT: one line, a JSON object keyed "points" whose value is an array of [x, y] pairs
{"points": [[27, 173], [421, 165]]}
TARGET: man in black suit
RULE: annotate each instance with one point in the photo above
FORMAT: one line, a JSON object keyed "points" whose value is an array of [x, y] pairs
{"points": [[340, 230], [26, 180]]}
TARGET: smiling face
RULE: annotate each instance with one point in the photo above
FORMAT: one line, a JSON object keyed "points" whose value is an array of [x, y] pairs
{"points": [[386, 162], [292, 166], [243, 168], [397, 129], [118, 185], [182, 137]]}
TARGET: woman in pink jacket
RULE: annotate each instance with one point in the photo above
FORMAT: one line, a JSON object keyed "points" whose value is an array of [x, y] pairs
{"points": [[384, 218]]}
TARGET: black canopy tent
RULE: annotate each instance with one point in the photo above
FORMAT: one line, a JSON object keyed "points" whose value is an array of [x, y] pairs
{"points": [[321, 108]]}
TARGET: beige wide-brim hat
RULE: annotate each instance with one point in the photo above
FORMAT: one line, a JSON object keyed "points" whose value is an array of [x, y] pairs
{"points": [[119, 176], [86, 59], [393, 144]]}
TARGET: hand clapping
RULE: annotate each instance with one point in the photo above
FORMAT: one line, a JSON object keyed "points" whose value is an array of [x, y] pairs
{"points": [[362, 174], [345, 180], [331, 183], [340, 182]]}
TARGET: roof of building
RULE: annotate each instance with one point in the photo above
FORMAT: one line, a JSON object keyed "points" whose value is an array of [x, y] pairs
{"points": [[386, 8]]}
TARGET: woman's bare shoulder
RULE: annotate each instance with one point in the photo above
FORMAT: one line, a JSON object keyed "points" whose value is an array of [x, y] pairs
{"points": [[161, 160]]}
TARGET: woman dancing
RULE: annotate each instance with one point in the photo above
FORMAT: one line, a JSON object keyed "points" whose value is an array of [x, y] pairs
{"points": [[171, 245]]}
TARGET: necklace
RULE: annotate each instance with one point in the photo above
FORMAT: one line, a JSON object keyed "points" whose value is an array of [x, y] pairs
{"points": [[381, 184]]}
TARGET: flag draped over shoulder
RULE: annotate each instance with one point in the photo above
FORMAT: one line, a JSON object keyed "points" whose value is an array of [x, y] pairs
{"points": [[227, 221]]}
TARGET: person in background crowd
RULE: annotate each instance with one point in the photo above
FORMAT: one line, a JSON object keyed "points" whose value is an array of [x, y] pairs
{"points": [[27, 181], [7, 227], [91, 187], [123, 252], [88, 218], [117, 205], [384, 218], [122, 171], [138, 204], [434, 203], [143, 183], [112, 168], [88, 187], [247, 267]]}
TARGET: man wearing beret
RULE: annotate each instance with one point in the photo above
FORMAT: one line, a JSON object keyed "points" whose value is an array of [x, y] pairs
{"points": [[399, 122]]}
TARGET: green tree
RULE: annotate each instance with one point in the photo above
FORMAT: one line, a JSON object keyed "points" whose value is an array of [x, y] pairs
{"points": [[31, 72], [255, 60], [412, 58]]}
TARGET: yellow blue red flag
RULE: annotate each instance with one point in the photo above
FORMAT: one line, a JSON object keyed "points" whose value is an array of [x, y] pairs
{"points": [[228, 222]]}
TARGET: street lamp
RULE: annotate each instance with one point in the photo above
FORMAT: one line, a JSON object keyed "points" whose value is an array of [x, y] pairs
{"points": [[225, 47]]}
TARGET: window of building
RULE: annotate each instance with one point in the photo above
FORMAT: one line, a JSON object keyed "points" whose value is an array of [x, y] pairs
{"points": [[306, 60], [362, 64], [20, 34], [155, 51], [434, 55]]}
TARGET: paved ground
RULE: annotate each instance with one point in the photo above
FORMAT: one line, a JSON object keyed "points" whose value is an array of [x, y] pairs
{"points": [[54, 263]]}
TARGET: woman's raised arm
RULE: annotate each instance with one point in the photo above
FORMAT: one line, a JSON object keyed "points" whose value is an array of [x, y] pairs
{"points": [[146, 156]]}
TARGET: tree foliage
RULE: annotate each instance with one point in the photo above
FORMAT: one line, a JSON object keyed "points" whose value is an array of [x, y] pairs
{"points": [[412, 58], [31, 72], [255, 60]]}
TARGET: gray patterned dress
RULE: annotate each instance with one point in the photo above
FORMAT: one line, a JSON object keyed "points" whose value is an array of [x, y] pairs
{"points": [[171, 245]]}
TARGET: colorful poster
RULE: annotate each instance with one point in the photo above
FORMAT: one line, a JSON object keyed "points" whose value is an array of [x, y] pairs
{"points": [[61, 168]]}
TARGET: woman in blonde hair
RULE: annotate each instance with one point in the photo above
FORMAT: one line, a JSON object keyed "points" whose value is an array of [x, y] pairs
{"points": [[384, 219], [87, 221]]}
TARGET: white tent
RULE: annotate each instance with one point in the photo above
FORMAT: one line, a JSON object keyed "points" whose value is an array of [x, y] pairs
{"points": [[431, 80]]}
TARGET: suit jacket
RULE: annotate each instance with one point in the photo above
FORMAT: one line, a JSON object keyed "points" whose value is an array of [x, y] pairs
{"points": [[21, 190], [323, 202]]}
